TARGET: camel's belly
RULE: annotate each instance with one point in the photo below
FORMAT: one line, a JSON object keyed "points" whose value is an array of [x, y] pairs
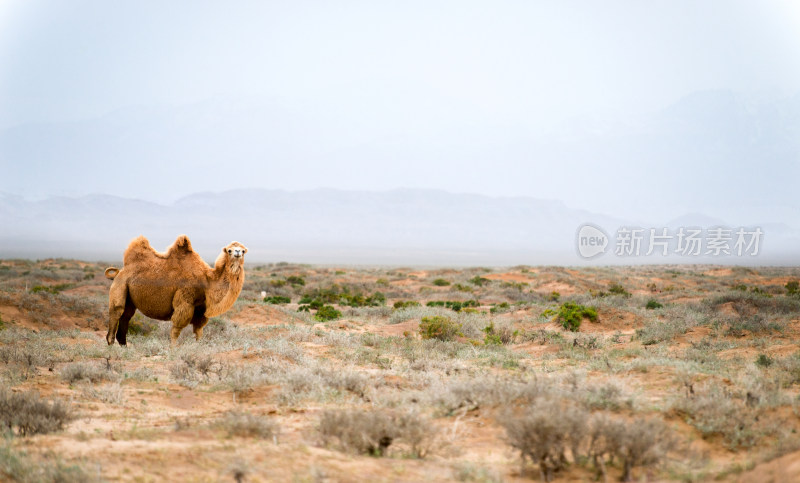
{"points": [[159, 309], [154, 299]]}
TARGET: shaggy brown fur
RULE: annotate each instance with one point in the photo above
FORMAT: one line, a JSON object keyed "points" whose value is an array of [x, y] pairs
{"points": [[176, 285]]}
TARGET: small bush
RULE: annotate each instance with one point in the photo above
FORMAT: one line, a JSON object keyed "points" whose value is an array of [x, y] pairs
{"points": [[439, 327], [247, 425], [25, 414], [277, 300], [372, 432], [571, 314], [479, 281], [714, 410], [653, 304], [296, 280], [498, 335], [641, 442], [753, 324], [792, 287], [327, 313], [499, 308], [549, 429], [544, 432], [454, 305], [401, 304], [617, 289], [764, 360], [440, 282], [52, 289]]}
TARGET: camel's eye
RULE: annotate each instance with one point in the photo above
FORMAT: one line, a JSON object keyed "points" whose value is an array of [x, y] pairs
{"points": [[230, 251]]}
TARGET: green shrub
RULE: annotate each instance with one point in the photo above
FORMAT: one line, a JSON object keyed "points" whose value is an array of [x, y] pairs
{"points": [[359, 300], [277, 299], [554, 296], [571, 314], [764, 360], [479, 281], [326, 313], [792, 287], [53, 289], [498, 335], [454, 305], [617, 289], [653, 304], [296, 280], [440, 282], [401, 304], [499, 307], [439, 327], [740, 287]]}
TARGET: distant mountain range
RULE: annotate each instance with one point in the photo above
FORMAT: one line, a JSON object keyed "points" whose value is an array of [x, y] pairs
{"points": [[404, 226], [729, 153]]}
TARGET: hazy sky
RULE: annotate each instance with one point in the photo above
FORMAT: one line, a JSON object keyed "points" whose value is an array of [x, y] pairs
{"points": [[453, 91]]}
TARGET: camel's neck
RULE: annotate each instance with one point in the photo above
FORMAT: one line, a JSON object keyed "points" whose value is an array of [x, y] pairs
{"points": [[224, 286]]}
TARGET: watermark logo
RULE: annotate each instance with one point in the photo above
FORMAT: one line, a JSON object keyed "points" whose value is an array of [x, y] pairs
{"points": [[591, 240], [634, 241]]}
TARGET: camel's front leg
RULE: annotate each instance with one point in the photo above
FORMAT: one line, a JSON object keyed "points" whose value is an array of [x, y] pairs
{"points": [[183, 310]]}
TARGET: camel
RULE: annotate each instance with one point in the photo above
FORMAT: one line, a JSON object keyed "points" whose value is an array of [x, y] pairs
{"points": [[176, 285]]}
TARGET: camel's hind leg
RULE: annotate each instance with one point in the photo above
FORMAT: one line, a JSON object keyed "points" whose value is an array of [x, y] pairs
{"points": [[183, 311], [122, 330], [117, 302], [199, 321]]}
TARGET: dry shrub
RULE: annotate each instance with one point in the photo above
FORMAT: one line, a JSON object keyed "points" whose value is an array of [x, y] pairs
{"points": [[551, 429], [714, 410], [23, 358], [372, 432], [25, 414], [543, 432], [640, 442], [247, 425]]}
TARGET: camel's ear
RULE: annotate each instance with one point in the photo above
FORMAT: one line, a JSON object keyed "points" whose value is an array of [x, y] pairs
{"points": [[244, 248]]}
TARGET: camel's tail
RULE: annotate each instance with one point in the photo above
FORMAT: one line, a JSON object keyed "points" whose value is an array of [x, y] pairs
{"points": [[111, 272]]}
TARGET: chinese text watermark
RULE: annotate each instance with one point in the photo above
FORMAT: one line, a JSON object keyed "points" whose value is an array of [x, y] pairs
{"points": [[631, 241]]}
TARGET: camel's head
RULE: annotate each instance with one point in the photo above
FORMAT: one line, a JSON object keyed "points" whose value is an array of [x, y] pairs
{"points": [[235, 251]]}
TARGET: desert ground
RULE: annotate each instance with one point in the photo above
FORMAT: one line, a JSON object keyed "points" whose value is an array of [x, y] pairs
{"points": [[650, 373]]}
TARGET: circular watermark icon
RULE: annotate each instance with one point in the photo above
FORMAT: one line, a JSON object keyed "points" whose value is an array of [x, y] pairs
{"points": [[591, 241]]}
